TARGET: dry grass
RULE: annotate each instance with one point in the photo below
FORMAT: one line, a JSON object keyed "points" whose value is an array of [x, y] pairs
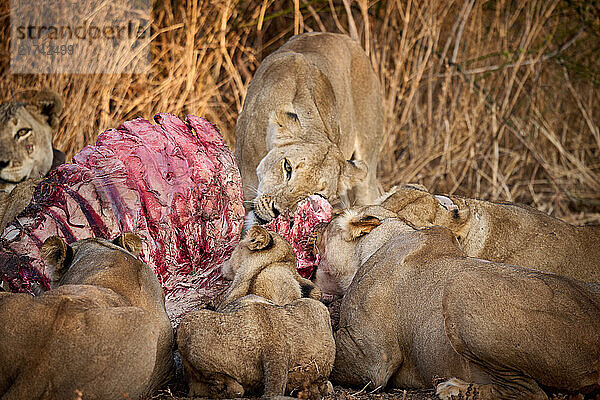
{"points": [[492, 99]]}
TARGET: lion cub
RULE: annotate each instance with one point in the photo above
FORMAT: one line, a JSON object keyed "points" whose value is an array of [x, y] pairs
{"points": [[264, 264], [256, 346], [418, 308], [503, 232], [102, 330]]}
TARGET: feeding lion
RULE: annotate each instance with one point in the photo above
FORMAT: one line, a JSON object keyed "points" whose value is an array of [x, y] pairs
{"points": [[418, 308], [264, 264], [503, 232], [102, 330], [312, 123], [256, 346]]}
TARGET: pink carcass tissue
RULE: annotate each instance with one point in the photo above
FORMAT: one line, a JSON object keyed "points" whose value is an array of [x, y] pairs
{"points": [[175, 184], [310, 212]]}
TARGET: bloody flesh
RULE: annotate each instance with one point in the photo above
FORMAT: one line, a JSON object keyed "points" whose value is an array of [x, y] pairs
{"points": [[175, 184], [312, 211]]}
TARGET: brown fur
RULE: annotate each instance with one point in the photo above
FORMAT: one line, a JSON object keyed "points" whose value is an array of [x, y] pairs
{"points": [[315, 105], [256, 346], [419, 308], [102, 330], [13, 203], [264, 264], [504, 232]]}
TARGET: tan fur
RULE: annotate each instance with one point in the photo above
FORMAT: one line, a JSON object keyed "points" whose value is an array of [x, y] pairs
{"points": [[26, 130], [101, 330], [503, 232], [418, 308], [256, 346], [312, 122], [264, 264], [341, 257], [13, 203]]}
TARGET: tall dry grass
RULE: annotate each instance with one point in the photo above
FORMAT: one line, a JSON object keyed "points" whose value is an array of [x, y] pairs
{"points": [[492, 99]]}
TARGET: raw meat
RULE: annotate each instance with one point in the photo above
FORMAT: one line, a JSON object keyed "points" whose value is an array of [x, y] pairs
{"points": [[175, 184], [312, 211]]}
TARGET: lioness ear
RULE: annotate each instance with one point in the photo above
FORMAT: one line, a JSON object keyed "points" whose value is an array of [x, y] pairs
{"points": [[355, 225], [413, 204], [454, 215], [353, 171], [259, 238], [446, 202], [46, 102], [130, 242], [287, 130], [58, 158], [416, 186], [287, 118], [58, 255]]}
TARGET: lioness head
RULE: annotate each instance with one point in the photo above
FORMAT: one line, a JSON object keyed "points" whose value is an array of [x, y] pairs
{"points": [[301, 163], [415, 205], [350, 239], [111, 265], [259, 248], [26, 136], [92, 258]]}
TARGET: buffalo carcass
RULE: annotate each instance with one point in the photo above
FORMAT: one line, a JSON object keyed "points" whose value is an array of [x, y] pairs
{"points": [[175, 184]]}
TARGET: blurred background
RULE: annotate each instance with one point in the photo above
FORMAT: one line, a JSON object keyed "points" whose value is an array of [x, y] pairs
{"points": [[498, 100]]}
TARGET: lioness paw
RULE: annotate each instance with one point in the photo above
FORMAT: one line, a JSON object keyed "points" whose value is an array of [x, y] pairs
{"points": [[455, 388]]}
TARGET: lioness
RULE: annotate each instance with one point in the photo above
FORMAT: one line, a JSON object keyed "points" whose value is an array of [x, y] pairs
{"points": [[264, 264], [101, 331], [256, 346], [312, 123], [419, 308], [26, 129], [503, 232]]}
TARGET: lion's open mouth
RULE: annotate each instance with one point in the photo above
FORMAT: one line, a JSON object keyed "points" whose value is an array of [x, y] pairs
{"points": [[297, 228]]}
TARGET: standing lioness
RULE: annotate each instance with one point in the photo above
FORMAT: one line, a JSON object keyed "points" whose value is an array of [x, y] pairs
{"points": [[312, 123]]}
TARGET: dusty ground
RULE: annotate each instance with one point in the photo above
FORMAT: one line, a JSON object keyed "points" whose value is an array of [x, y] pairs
{"points": [[178, 391], [340, 393]]}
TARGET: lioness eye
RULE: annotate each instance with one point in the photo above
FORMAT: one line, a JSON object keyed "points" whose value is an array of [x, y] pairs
{"points": [[288, 169], [23, 132]]}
